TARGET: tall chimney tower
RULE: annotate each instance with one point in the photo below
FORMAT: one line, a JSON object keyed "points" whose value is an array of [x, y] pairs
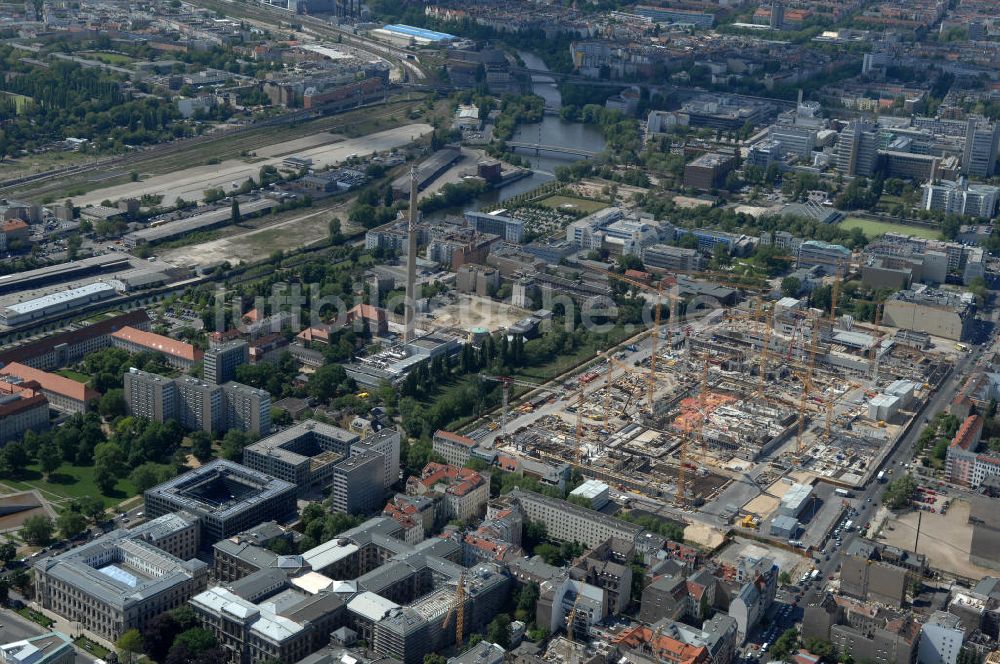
{"points": [[411, 261]]}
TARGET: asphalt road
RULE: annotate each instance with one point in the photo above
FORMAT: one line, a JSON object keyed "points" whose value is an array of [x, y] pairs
{"points": [[868, 500]]}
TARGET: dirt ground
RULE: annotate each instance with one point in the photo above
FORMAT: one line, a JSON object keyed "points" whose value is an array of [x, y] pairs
{"points": [[474, 311], [944, 539], [704, 535], [299, 231], [763, 504]]}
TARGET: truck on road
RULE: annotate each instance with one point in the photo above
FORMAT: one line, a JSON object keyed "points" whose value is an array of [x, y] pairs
{"points": [[881, 476]]}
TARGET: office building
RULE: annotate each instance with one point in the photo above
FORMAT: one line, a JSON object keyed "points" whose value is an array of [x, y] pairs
{"points": [[979, 157], [510, 229], [227, 497], [594, 492], [273, 615], [177, 353], [833, 259], [800, 141], [973, 200], [667, 257], [221, 361], [64, 348], [454, 448], [64, 394], [303, 455], [709, 170], [938, 313], [359, 483], [23, 408], [857, 149], [120, 581], [572, 523], [385, 442], [197, 405]]}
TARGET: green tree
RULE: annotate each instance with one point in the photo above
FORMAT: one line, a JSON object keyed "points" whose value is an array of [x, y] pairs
{"points": [[196, 639], [13, 459], [49, 457], [73, 247], [70, 523], [201, 445], [129, 646], [108, 466], [8, 551], [148, 475], [790, 286], [112, 404], [37, 530], [785, 578], [233, 443], [234, 214], [498, 631]]}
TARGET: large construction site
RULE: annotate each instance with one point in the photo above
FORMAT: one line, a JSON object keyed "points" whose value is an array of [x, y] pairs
{"points": [[764, 394]]}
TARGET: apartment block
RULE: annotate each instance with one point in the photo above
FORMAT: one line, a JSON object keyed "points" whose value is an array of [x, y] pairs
{"points": [[197, 405], [221, 361]]}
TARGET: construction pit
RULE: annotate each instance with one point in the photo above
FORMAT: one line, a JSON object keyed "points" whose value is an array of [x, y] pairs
{"points": [[791, 394]]}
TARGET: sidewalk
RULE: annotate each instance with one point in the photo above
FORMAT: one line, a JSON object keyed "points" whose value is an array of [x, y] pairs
{"points": [[71, 628]]}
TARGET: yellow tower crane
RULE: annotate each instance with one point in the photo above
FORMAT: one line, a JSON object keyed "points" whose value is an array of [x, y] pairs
{"points": [[807, 385], [768, 325], [458, 608], [571, 617]]}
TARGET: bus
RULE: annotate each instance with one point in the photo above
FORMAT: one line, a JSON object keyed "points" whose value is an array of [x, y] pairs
{"points": [[843, 493]]}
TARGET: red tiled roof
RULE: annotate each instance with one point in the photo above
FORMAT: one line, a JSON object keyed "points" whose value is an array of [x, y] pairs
{"points": [[367, 312], [13, 225], [968, 434], [664, 647], [455, 438], [51, 382], [159, 343], [314, 334]]}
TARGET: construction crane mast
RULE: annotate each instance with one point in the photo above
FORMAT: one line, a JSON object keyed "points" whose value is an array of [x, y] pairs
{"points": [[458, 608], [768, 324], [807, 385], [876, 343], [571, 617], [507, 381]]}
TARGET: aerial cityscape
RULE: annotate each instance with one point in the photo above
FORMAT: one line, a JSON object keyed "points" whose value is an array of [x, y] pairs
{"points": [[482, 332]]}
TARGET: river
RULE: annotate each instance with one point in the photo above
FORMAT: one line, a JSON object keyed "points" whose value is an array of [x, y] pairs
{"points": [[550, 131]]}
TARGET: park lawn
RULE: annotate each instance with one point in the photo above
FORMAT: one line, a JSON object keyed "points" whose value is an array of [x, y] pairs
{"points": [[68, 481], [563, 202], [872, 228], [74, 375]]}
